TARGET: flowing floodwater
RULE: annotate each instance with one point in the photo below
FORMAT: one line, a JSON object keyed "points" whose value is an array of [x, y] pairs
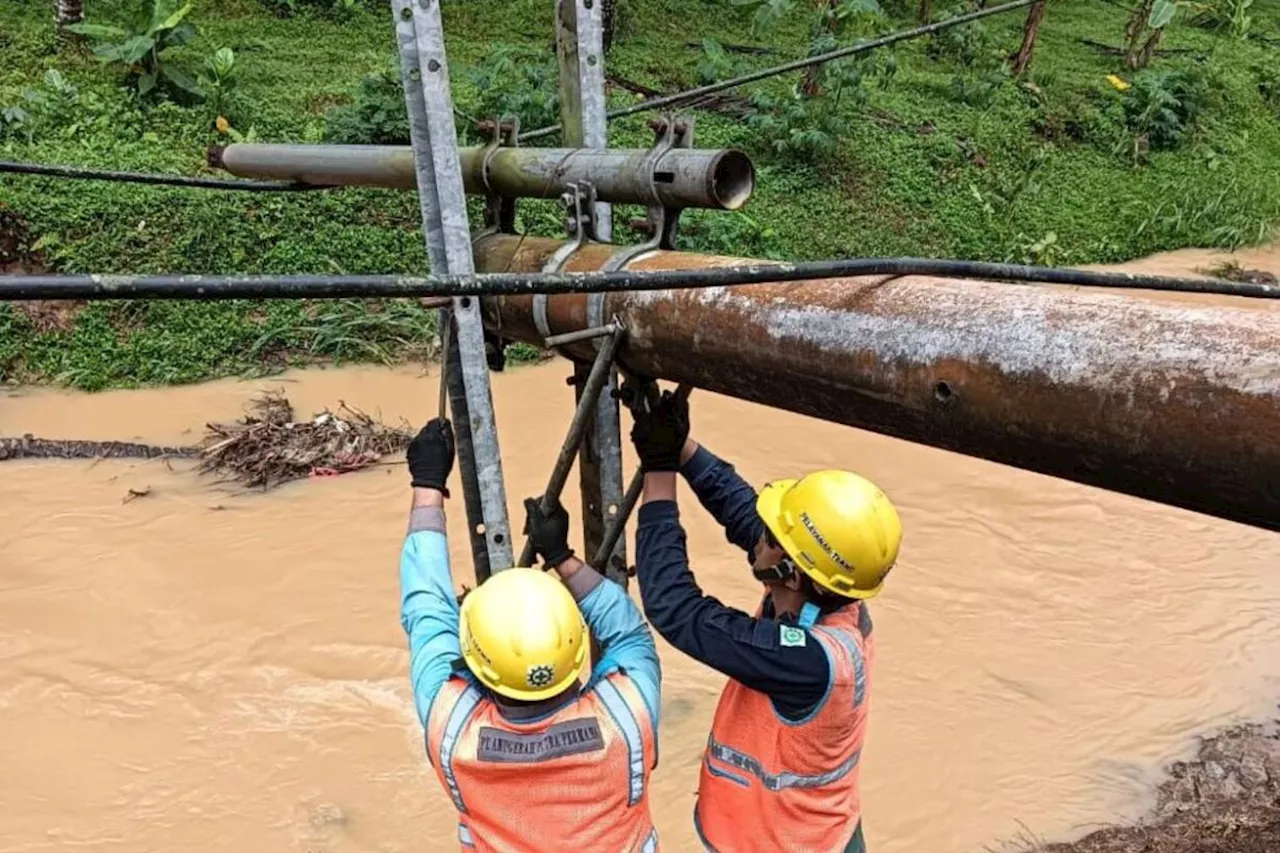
{"points": [[201, 669]]}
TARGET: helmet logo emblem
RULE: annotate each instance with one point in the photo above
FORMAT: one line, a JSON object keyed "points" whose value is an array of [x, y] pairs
{"points": [[540, 675], [822, 543]]}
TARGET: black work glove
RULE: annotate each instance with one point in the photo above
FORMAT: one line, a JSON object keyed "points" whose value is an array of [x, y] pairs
{"points": [[549, 531], [430, 456], [660, 433]]}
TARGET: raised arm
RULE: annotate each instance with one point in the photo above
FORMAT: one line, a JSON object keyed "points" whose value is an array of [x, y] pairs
{"points": [[748, 649], [626, 644], [722, 492], [757, 652], [428, 608]]}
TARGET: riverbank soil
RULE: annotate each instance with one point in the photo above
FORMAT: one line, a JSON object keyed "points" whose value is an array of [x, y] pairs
{"points": [[1227, 800]]}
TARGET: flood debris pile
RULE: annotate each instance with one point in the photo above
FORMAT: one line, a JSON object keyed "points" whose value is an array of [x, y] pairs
{"points": [[1227, 800], [268, 447], [265, 448], [1233, 271]]}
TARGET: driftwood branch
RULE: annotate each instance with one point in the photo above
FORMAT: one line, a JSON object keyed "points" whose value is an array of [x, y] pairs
{"points": [[30, 447]]}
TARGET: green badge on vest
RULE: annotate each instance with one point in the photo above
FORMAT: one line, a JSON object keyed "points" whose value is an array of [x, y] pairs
{"points": [[792, 637]]}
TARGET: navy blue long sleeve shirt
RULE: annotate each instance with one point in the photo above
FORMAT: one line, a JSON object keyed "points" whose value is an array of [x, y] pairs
{"points": [[746, 648]]}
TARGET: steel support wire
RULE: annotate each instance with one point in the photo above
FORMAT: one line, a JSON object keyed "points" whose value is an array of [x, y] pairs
{"points": [[582, 416], [83, 174], [221, 287], [795, 65]]}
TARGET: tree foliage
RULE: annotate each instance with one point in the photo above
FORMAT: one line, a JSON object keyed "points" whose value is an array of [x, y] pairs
{"points": [[138, 43]]}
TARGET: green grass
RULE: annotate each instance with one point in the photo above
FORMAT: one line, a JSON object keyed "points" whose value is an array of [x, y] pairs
{"points": [[946, 160]]}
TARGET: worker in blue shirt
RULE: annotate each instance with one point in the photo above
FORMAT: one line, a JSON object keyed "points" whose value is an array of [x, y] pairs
{"points": [[781, 767], [534, 760]]}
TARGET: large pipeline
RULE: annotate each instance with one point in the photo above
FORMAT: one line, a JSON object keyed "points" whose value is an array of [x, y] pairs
{"points": [[1171, 398], [680, 177]]}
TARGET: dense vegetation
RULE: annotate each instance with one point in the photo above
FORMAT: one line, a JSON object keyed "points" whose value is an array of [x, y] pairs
{"points": [[934, 148]]}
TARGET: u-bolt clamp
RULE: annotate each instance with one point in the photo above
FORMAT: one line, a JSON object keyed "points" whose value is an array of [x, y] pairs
{"points": [[662, 221], [580, 207], [499, 211]]}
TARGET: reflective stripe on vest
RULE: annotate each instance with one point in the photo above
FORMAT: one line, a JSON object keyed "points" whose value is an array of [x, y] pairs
{"points": [[464, 835], [651, 843], [725, 774], [630, 728], [458, 717], [782, 780], [855, 655]]}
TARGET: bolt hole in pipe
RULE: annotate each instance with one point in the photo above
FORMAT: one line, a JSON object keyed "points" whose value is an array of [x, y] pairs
{"points": [[943, 392], [733, 179]]}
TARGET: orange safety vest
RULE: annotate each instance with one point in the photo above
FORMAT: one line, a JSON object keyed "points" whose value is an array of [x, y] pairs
{"points": [[575, 780], [771, 785]]}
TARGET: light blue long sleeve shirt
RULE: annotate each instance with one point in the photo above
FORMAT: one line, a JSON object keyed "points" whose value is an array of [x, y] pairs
{"points": [[429, 615]]}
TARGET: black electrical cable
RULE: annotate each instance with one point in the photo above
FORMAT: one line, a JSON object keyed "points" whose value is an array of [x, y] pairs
{"points": [[794, 65], [79, 173], [217, 287]]}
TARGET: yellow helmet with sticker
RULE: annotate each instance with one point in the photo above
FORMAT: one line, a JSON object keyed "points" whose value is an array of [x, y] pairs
{"points": [[522, 634], [839, 528]]}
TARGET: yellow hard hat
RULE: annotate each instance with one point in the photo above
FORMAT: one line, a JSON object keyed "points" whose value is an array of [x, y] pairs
{"points": [[838, 527], [522, 634]]}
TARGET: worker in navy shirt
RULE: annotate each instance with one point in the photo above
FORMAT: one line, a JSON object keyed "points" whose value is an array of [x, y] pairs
{"points": [[782, 763]]}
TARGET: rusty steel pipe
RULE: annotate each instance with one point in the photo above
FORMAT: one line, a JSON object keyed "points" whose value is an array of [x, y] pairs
{"points": [[1171, 398], [680, 177]]}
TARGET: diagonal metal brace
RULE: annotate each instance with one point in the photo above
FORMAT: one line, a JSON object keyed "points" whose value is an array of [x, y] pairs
{"points": [[582, 415]]}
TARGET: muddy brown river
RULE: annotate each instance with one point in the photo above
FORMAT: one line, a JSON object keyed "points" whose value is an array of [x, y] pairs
{"points": [[210, 670]]}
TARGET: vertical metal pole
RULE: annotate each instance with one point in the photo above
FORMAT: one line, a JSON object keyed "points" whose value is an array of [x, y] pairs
{"points": [[580, 51], [425, 75]]}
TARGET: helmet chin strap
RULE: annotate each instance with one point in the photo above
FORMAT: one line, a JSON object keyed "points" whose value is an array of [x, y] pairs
{"points": [[782, 570]]}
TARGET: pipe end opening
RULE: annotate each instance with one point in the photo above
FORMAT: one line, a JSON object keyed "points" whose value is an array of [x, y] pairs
{"points": [[732, 180]]}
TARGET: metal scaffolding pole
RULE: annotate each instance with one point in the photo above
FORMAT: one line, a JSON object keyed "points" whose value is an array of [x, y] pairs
{"points": [[425, 75], [580, 52], [715, 178]]}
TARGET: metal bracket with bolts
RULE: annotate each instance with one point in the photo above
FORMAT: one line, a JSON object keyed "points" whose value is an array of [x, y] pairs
{"points": [[661, 223], [499, 210]]}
